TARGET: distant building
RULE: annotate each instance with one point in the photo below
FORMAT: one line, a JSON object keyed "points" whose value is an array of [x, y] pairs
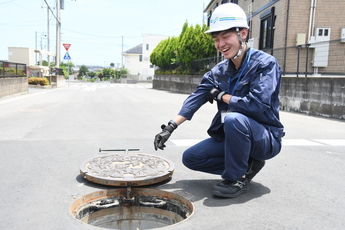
{"points": [[22, 55], [137, 59], [26, 56]]}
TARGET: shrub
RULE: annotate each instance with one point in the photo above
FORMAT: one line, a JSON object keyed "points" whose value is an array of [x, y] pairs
{"points": [[38, 81], [175, 54]]}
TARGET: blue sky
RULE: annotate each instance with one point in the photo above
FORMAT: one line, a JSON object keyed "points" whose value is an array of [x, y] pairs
{"points": [[94, 28]]}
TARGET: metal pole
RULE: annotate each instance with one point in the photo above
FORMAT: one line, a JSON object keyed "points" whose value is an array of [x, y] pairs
{"points": [[36, 47], [126, 150], [298, 57], [48, 58], [286, 35], [306, 61], [122, 54], [58, 25]]}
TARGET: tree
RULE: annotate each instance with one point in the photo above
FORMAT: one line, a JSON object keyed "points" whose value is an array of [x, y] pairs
{"points": [[108, 73], [91, 74], [83, 70], [67, 67], [195, 44], [112, 65], [192, 44]]}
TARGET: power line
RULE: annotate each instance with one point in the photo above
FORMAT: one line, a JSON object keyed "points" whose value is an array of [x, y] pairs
{"points": [[6, 2], [52, 11]]}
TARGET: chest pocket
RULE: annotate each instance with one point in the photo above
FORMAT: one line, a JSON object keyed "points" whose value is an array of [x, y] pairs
{"points": [[242, 89], [222, 82]]}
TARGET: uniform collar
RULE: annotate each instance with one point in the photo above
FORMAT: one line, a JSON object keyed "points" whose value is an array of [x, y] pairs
{"points": [[231, 67]]}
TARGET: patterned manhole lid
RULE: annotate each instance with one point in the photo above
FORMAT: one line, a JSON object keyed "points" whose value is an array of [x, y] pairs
{"points": [[127, 169]]}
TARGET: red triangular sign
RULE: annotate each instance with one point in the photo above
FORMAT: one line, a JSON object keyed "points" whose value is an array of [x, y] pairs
{"points": [[66, 46]]}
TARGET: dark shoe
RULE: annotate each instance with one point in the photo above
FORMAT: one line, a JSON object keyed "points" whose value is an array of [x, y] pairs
{"points": [[231, 189], [254, 166]]}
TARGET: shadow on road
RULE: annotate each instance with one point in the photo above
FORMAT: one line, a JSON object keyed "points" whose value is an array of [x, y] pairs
{"points": [[195, 190]]}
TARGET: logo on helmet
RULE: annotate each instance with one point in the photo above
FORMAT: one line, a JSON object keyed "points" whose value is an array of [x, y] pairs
{"points": [[223, 19], [214, 20], [227, 19]]}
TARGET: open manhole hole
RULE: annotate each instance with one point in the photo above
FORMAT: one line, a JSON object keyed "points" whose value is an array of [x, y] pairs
{"points": [[130, 207], [135, 208]]}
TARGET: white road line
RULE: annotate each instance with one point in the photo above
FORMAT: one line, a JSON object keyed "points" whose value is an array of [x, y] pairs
{"points": [[140, 86], [286, 142], [300, 142], [333, 142], [185, 142]]}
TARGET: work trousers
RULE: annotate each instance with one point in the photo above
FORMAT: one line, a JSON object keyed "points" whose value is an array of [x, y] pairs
{"points": [[244, 138]]}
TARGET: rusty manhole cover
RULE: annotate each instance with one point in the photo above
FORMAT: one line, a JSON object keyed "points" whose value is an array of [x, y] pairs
{"points": [[127, 169]]}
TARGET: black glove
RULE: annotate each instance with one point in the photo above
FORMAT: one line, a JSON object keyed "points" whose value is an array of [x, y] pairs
{"points": [[162, 137], [215, 94]]}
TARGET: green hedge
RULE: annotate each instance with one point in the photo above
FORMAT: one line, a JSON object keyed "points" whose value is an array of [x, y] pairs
{"points": [[38, 81]]}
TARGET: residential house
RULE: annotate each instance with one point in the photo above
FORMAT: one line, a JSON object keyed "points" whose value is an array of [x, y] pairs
{"points": [[301, 34], [137, 59], [26, 56]]}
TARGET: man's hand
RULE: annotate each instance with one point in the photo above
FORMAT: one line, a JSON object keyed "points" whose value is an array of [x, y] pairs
{"points": [[162, 137], [215, 94]]}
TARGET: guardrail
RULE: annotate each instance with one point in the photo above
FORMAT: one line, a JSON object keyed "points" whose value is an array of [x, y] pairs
{"points": [[11, 69]]}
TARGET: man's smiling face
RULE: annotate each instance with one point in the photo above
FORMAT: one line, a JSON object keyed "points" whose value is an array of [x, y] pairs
{"points": [[227, 42]]}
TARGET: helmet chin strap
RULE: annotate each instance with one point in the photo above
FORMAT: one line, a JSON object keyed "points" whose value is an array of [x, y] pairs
{"points": [[241, 43]]}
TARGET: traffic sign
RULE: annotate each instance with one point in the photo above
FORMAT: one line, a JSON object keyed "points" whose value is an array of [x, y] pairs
{"points": [[66, 46], [67, 57]]}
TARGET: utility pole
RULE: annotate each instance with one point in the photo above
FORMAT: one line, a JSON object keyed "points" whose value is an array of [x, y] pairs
{"points": [[48, 58], [58, 28], [122, 54]]}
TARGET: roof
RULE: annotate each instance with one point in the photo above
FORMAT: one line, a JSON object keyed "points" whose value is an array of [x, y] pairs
{"points": [[135, 50], [207, 9]]}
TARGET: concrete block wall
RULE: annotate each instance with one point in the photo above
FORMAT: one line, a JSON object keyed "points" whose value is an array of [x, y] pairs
{"points": [[10, 86], [57, 81], [176, 83], [318, 96]]}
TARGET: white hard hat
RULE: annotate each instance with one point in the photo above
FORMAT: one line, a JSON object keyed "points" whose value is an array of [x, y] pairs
{"points": [[227, 16]]}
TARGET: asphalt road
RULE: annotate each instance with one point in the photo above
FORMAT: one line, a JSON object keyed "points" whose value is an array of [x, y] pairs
{"points": [[46, 134]]}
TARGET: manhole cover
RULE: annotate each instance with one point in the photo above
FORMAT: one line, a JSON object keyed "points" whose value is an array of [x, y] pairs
{"points": [[142, 209], [127, 169]]}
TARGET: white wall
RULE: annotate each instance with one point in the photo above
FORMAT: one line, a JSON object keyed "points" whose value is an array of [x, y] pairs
{"points": [[23, 55], [150, 41], [143, 69], [132, 64]]}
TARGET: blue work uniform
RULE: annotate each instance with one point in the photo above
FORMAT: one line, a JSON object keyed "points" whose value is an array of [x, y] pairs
{"points": [[252, 129]]}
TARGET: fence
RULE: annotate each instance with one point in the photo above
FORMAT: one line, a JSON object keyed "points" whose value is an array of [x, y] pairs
{"points": [[11, 69], [295, 60]]}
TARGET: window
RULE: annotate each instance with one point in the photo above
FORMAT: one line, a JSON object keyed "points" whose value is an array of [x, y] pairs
{"points": [[226, 1], [323, 32], [140, 58], [326, 32], [267, 29], [147, 46], [209, 14]]}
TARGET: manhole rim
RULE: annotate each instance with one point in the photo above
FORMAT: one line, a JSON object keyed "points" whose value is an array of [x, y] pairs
{"points": [[103, 195]]}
